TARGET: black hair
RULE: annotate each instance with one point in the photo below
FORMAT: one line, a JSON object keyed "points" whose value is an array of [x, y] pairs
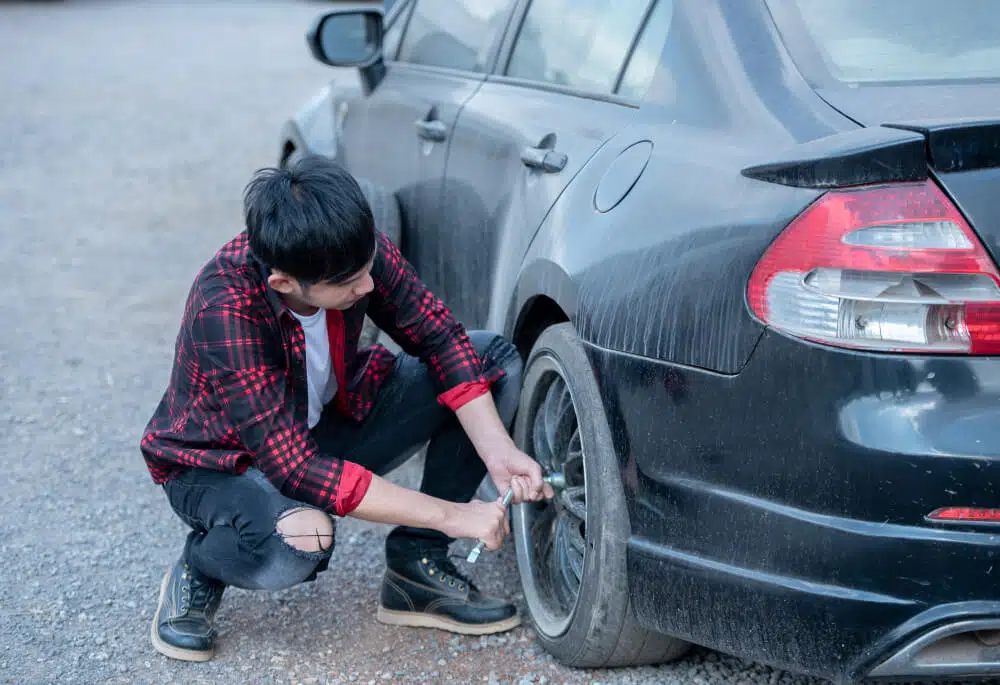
{"points": [[310, 220]]}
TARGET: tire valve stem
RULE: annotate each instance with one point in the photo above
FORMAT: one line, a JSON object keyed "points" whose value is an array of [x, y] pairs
{"points": [[556, 480]]}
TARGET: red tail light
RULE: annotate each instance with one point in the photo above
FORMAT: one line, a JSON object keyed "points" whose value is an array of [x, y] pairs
{"points": [[965, 514], [893, 268]]}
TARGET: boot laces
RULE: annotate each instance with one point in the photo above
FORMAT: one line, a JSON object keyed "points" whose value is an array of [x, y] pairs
{"points": [[448, 574], [196, 592]]}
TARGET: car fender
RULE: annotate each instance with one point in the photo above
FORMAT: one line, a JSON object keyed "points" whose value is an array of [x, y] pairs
{"points": [[540, 277], [315, 127]]}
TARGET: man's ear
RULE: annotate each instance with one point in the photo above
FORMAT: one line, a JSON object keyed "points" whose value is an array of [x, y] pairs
{"points": [[282, 282]]}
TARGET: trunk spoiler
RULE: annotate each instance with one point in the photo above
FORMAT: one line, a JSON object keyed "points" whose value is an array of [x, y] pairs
{"points": [[891, 153], [958, 145]]}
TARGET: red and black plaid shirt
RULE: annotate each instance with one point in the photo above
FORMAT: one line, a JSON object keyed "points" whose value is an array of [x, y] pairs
{"points": [[238, 396]]}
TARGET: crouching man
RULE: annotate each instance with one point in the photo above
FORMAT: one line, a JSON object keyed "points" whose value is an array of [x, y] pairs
{"points": [[274, 423]]}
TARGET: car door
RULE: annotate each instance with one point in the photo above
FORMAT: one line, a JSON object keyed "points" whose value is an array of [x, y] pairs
{"points": [[437, 53], [565, 83]]}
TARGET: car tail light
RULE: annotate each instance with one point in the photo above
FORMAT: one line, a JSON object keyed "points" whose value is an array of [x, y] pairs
{"points": [[965, 514], [893, 268]]}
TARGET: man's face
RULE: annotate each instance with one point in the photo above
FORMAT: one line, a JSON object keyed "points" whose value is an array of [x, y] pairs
{"points": [[306, 300]]}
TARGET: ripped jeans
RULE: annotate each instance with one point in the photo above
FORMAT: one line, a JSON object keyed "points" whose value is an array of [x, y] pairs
{"points": [[233, 518], [234, 536]]}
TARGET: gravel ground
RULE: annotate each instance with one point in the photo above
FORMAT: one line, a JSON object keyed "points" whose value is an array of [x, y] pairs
{"points": [[127, 131]]}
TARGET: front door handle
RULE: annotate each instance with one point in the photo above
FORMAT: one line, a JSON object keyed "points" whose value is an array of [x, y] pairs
{"points": [[432, 129], [545, 159]]}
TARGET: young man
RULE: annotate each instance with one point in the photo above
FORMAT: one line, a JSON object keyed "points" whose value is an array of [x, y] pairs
{"points": [[274, 422]]}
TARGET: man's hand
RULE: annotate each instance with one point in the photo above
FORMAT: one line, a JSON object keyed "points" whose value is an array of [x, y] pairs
{"points": [[477, 520], [511, 468], [508, 466]]}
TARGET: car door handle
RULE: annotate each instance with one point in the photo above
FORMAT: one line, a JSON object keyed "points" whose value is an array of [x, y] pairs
{"points": [[432, 129], [544, 159]]}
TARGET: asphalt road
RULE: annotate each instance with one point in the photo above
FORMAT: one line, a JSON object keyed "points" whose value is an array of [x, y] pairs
{"points": [[127, 131]]}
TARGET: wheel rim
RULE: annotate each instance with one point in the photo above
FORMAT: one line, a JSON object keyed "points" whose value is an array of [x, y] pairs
{"points": [[551, 536]]}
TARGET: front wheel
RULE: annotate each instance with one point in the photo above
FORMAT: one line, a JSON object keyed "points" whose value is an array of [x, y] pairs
{"points": [[571, 551]]}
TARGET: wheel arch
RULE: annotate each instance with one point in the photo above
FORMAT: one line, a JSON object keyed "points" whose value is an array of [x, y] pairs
{"points": [[312, 129], [544, 295], [540, 312]]}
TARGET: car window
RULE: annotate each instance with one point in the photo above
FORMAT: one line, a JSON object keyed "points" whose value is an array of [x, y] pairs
{"points": [[646, 54], [459, 34], [901, 40], [576, 43]]}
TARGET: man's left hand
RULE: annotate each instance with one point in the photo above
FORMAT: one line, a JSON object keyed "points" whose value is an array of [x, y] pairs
{"points": [[511, 468]]}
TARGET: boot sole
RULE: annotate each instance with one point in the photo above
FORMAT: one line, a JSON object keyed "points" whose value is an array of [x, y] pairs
{"points": [[423, 620], [169, 650]]}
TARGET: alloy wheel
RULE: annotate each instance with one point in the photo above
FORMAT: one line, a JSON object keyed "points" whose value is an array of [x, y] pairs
{"points": [[551, 536]]}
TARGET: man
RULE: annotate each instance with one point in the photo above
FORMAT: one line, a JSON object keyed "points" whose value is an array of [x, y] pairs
{"points": [[274, 422]]}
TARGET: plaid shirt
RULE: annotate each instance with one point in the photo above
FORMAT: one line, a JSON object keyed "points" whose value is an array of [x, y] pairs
{"points": [[238, 395]]}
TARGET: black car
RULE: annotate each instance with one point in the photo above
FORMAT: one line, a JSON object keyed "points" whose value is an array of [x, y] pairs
{"points": [[748, 249]]}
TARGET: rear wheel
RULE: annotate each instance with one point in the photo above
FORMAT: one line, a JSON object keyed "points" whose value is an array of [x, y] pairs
{"points": [[571, 551]]}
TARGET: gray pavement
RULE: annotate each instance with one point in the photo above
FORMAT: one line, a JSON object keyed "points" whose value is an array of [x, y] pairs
{"points": [[127, 131]]}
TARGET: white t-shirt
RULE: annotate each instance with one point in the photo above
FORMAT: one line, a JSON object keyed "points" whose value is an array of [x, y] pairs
{"points": [[321, 379]]}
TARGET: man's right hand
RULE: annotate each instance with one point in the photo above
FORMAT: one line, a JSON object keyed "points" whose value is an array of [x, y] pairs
{"points": [[386, 502], [486, 521]]}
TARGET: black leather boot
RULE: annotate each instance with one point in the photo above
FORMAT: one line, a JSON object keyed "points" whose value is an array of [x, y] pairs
{"points": [[182, 625], [429, 592]]}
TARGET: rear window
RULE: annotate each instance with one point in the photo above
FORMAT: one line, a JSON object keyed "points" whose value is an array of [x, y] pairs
{"points": [[894, 40]]}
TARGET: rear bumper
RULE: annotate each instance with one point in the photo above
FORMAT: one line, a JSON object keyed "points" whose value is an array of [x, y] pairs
{"points": [[830, 631], [779, 514]]}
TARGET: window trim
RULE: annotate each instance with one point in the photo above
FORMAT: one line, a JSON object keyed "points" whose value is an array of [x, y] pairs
{"points": [[434, 69], [635, 43], [499, 73], [611, 98], [402, 7]]}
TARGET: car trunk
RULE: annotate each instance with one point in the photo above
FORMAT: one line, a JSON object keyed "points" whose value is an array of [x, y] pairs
{"points": [[961, 125]]}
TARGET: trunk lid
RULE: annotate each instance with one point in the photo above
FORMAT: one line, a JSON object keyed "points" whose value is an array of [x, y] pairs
{"points": [[964, 155]]}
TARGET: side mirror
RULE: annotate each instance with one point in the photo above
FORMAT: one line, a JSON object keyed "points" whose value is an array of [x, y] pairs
{"points": [[349, 37]]}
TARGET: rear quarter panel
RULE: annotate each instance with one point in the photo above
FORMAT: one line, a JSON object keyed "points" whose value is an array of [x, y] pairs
{"points": [[663, 274]]}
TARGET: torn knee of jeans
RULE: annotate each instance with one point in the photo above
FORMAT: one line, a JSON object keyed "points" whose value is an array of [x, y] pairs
{"points": [[305, 530]]}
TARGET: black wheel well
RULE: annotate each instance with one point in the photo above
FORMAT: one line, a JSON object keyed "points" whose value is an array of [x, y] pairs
{"points": [[539, 313]]}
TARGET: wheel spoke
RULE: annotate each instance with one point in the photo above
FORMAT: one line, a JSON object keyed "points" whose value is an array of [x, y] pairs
{"points": [[560, 420], [540, 442], [564, 569], [572, 467], [573, 501]]}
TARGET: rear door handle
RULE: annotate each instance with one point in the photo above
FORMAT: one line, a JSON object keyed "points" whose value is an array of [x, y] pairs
{"points": [[432, 129], [545, 159]]}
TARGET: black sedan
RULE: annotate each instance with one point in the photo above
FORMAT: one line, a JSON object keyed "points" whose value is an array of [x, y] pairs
{"points": [[749, 252]]}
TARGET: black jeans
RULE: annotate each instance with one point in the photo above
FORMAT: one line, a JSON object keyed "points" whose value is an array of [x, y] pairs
{"points": [[233, 518]]}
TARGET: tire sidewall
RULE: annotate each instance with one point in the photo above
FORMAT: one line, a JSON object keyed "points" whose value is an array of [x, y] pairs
{"points": [[603, 600]]}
